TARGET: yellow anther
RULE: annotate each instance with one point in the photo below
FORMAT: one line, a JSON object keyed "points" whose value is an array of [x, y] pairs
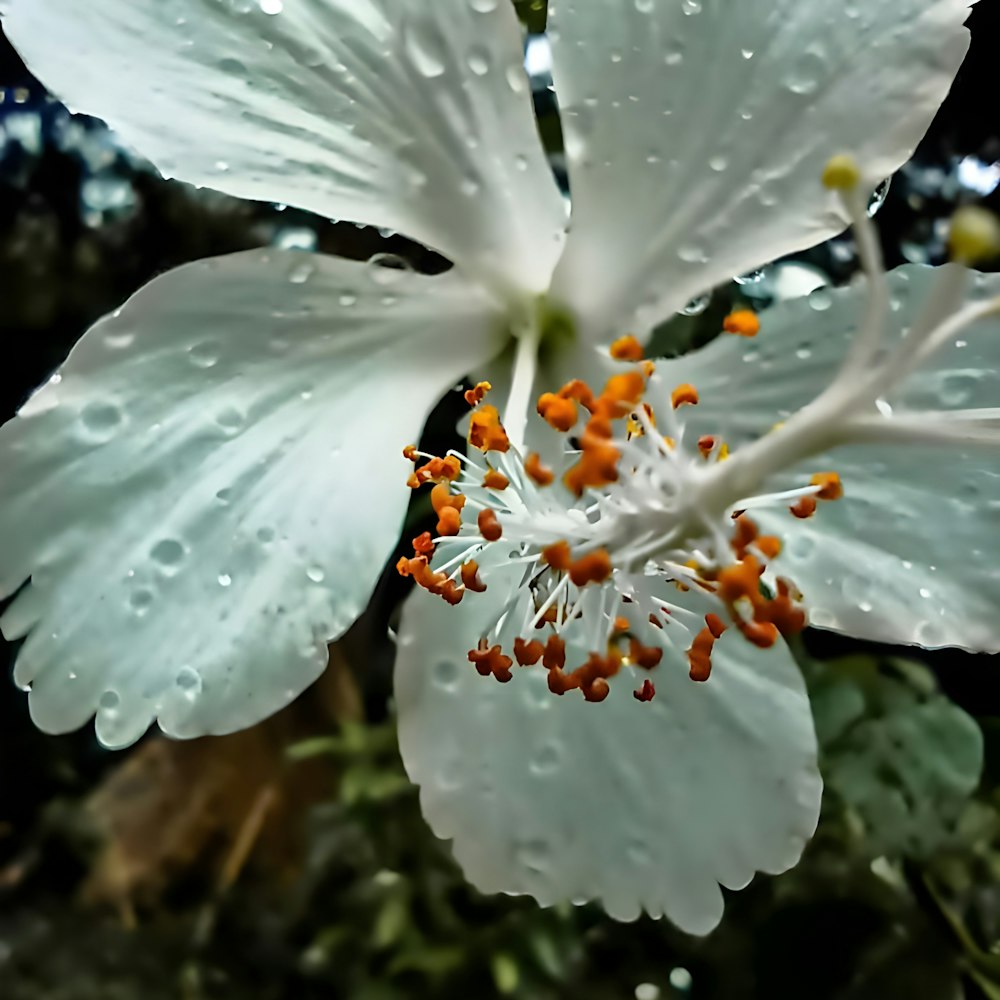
{"points": [[975, 235], [842, 173]]}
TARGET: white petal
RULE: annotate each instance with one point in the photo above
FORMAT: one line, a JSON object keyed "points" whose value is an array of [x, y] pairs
{"points": [[638, 806], [206, 492], [909, 555], [697, 132], [416, 117]]}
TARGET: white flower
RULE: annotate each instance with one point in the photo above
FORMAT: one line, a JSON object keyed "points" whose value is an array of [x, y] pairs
{"points": [[649, 582], [206, 493]]}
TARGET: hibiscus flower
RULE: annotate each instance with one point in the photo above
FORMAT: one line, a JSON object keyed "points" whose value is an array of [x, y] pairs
{"points": [[206, 492]]}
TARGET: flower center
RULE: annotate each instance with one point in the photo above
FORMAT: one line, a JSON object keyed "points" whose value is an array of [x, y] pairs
{"points": [[605, 537], [631, 538]]}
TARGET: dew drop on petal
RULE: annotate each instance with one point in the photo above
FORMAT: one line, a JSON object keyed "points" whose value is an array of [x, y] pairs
{"points": [[696, 306], [167, 553], [820, 300]]}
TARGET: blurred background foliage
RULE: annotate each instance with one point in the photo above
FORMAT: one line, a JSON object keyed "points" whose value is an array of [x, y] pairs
{"points": [[292, 860]]}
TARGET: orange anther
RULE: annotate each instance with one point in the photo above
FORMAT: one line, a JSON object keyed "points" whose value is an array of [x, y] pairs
{"points": [[621, 624], [646, 693], [414, 481], [761, 634], [646, 657], [831, 488], [528, 654], [557, 556], [744, 536], [627, 348], [561, 682], [595, 567], [451, 592], [440, 470], [494, 480], [470, 577], [597, 690], [489, 526], [541, 474], [768, 546], [804, 508], [549, 617], [475, 396], [742, 322], [403, 567], [741, 580], [486, 432], [579, 391], [622, 393], [442, 498], [423, 544], [557, 411], [715, 625], [449, 521], [598, 463], [490, 660], [410, 453], [706, 445], [684, 395], [554, 657], [700, 656]]}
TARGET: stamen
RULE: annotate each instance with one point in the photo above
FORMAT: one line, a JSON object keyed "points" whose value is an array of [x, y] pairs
{"points": [[627, 348], [742, 323], [684, 395]]}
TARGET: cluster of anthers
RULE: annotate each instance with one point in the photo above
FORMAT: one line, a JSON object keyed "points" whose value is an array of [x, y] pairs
{"points": [[639, 540], [602, 542]]}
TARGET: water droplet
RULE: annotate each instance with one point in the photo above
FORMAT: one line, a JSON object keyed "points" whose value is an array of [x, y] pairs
{"points": [[750, 278], [645, 6], [387, 269], [747, 53], [101, 420], [445, 674], [547, 760], [224, 496], [820, 299], [225, 580], [696, 306], [110, 701], [167, 553], [924, 593], [141, 601], [272, 7], [718, 164], [233, 67], [118, 340], [803, 353], [230, 419], [316, 574], [424, 50], [692, 254], [533, 855], [265, 535], [189, 682], [807, 73], [204, 354], [479, 61], [483, 6], [301, 272], [878, 197], [348, 299], [957, 389], [691, 6]]}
